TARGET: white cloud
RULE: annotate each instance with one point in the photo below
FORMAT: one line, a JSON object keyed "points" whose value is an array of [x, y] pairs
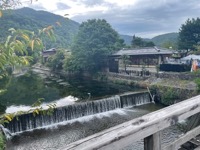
{"points": [[140, 17]]}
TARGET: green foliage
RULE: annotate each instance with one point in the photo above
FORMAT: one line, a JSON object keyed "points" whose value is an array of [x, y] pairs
{"points": [[2, 141], [139, 42], [56, 61], [94, 42], [197, 81], [125, 60], [29, 19], [127, 39], [197, 50], [166, 95], [14, 51], [169, 96], [166, 40], [169, 45], [38, 102], [2, 108], [36, 110], [159, 40], [189, 34]]}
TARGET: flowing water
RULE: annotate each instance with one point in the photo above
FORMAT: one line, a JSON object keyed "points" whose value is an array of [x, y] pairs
{"points": [[69, 112], [57, 136], [77, 115]]}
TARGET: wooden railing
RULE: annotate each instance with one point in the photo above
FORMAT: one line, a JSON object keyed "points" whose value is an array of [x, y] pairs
{"points": [[147, 127]]}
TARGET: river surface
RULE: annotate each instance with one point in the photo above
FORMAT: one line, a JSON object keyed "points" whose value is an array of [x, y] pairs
{"points": [[56, 137], [24, 90]]}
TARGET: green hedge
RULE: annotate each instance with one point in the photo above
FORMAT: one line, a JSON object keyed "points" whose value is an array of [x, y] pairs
{"points": [[2, 141]]}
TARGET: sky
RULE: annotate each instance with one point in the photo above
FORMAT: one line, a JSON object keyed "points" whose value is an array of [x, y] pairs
{"points": [[144, 18]]}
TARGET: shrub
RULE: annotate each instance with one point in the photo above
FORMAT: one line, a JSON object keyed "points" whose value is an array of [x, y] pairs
{"points": [[197, 81], [2, 141]]}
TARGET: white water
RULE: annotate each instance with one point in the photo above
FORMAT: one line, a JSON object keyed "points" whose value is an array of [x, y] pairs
{"points": [[6, 132], [70, 112], [81, 120], [57, 136], [59, 103]]}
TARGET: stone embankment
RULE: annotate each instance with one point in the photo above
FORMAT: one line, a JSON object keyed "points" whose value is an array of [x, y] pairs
{"points": [[169, 88]]}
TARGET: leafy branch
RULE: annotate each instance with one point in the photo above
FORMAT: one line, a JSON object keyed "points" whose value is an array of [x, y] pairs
{"points": [[36, 109]]}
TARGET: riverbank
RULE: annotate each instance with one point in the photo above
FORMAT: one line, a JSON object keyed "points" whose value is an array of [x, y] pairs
{"points": [[168, 89]]}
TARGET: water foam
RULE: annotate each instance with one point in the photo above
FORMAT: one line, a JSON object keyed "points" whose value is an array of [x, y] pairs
{"points": [[81, 120], [59, 103]]}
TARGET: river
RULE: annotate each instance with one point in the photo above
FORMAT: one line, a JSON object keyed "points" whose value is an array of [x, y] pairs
{"points": [[23, 91], [56, 137]]}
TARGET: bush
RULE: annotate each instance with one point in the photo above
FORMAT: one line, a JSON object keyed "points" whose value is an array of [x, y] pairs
{"points": [[197, 81], [2, 108], [2, 141]]}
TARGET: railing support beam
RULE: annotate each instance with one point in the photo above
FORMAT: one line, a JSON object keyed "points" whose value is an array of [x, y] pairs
{"points": [[153, 142]]}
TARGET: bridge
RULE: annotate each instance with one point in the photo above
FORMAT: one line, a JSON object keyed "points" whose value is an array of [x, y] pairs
{"points": [[147, 127]]}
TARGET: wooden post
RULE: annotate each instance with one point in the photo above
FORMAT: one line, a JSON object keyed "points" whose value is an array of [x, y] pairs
{"points": [[152, 142]]}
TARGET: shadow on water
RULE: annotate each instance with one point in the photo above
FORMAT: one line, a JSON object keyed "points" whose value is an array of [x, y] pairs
{"points": [[26, 89], [57, 137]]}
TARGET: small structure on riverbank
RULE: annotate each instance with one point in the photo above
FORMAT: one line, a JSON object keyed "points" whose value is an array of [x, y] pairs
{"points": [[150, 57], [47, 53]]}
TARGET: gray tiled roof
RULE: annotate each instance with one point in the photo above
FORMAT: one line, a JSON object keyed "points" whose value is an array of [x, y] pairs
{"points": [[50, 50], [144, 51]]}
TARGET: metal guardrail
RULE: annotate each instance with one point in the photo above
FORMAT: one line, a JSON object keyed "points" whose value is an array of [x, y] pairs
{"points": [[147, 127]]}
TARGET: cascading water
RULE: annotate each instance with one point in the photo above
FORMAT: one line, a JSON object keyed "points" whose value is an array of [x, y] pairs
{"points": [[28, 121], [6, 132], [134, 99]]}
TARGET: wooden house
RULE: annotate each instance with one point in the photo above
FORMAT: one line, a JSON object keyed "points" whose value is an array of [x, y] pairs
{"points": [[148, 57], [47, 53]]}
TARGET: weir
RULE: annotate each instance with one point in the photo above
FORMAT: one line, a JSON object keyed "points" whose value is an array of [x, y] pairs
{"points": [[28, 121]]}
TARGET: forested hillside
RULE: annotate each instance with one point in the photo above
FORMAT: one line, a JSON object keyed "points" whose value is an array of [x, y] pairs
{"points": [[164, 38], [27, 18], [160, 40]]}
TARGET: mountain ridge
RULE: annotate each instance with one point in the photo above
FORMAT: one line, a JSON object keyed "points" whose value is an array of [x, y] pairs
{"points": [[158, 40], [30, 19]]}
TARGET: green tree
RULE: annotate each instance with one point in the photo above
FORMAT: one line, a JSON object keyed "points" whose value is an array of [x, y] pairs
{"points": [[139, 42], [169, 45], [189, 34], [56, 61], [94, 42], [149, 44], [16, 47], [125, 61]]}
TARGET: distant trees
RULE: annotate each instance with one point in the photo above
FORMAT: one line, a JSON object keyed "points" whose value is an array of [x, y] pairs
{"points": [[95, 40], [56, 61], [170, 45], [139, 42], [189, 34]]}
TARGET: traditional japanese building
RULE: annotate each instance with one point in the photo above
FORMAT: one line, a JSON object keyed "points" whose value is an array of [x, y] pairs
{"points": [[148, 57], [47, 53]]}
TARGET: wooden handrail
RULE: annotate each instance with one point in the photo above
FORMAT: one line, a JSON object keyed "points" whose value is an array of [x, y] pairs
{"points": [[146, 127]]}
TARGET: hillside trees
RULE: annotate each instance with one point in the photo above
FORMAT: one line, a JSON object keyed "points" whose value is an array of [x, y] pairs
{"points": [[56, 61], [14, 51], [17, 47], [189, 34], [139, 42], [94, 42]]}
